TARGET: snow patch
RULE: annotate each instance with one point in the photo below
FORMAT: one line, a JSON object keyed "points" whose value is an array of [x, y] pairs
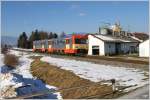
{"points": [[20, 81], [96, 72]]}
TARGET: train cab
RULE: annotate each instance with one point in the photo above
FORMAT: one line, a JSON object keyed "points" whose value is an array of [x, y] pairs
{"points": [[76, 44]]}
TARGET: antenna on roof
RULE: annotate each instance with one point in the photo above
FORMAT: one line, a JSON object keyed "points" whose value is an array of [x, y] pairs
{"points": [[128, 30], [118, 22]]}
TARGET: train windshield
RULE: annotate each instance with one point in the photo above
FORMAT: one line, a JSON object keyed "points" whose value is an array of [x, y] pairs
{"points": [[80, 41], [67, 41]]}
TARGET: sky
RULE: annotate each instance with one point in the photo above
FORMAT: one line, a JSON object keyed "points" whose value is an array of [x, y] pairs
{"points": [[69, 16]]}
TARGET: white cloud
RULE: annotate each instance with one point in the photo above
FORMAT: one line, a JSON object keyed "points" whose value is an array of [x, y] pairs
{"points": [[75, 6], [82, 14]]}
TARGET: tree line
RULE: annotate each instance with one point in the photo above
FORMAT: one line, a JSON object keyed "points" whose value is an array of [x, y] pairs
{"points": [[27, 42]]}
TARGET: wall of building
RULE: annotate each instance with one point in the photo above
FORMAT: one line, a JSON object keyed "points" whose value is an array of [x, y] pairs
{"points": [[144, 49], [92, 41], [126, 47], [110, 48]]}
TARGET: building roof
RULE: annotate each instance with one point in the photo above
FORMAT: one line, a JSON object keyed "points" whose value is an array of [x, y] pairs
{"points": [[108, 38], [146, 41], [141, 36]]}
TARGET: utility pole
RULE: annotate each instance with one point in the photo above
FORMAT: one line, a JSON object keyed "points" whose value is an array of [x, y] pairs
{"points": [[113, 81]]}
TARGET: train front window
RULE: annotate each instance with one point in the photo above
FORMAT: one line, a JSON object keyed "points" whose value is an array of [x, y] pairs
{"points": [[67, 41], [80, 41]]}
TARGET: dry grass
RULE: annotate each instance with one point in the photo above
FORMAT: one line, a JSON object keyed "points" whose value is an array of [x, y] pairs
{"points": [[60, 78], [4, 50], [11, 60], [119, 59], [35, 57]]}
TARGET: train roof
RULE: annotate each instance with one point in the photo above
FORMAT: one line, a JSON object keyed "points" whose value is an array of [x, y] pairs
{"points": [[61, 38], [53, 39], [76, 34]]}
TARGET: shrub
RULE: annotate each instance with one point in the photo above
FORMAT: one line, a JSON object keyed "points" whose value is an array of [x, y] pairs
{"points": [[11, 60], [4, 50]]}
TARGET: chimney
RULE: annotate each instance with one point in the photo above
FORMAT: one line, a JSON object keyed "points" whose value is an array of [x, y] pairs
{"points": [[99, 29]]}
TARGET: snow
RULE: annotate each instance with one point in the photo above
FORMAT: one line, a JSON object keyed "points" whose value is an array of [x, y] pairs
{"points": [[96, 72], [108, 38], [22, 49], [21, 76]]}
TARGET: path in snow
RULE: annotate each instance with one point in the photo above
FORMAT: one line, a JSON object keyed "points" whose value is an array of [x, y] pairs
{"points": [[96, 72], [21, 76]]}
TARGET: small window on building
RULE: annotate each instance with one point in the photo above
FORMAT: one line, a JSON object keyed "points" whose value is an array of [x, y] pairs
{"points": [[109, 46]]}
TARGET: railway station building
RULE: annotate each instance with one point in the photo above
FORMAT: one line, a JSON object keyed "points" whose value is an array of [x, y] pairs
{"points": [[110, 45], [144, 49]]}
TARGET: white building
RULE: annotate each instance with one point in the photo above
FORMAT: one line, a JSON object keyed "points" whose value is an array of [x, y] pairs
{"points": [[144, 49], [109, 45]]}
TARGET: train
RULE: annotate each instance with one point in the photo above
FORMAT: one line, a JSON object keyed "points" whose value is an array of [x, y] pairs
{"points": [[71, 44]]}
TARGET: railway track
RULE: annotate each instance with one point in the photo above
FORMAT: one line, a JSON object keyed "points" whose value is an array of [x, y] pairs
{"points": [[105, 58]]}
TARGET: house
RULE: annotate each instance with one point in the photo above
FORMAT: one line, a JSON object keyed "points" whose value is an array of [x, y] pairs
{"points": [[111, 45], [144, 49]]}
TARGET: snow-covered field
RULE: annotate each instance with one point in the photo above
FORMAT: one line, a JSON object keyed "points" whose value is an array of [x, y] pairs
{"points": [[96, 72], [22, 49], [21, 76]]}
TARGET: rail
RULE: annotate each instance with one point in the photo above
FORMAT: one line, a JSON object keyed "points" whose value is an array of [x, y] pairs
{"points": [[116, 59]]}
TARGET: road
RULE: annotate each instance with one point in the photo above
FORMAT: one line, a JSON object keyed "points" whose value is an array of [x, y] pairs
{"points": [[141, 93]]}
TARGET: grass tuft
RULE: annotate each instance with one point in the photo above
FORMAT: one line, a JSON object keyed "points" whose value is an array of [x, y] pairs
{"points": [[11, 60]]}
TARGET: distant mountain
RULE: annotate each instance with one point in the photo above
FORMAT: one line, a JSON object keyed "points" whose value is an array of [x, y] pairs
{"points": [[9, 40]]}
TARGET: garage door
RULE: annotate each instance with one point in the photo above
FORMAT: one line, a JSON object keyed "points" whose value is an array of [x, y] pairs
{"points": [[95, 50]]}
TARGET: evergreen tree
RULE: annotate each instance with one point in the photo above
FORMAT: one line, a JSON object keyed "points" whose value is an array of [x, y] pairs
{"points": [[31, 39], [55, 35], [50, 36], [36, 35], [43, 35], [22, 41]]}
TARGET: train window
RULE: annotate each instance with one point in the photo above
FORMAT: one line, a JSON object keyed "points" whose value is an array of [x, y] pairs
{"points": [[80, 41], [67, 41], [49, 42]]}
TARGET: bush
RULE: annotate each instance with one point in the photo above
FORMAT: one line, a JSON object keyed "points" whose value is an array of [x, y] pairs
{"points": [[4, 50], [11, 60]]}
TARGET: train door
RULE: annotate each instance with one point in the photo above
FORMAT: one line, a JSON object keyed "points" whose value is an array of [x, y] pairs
{"points": [[42, 44], [34, 44], [68, 46], [49, 44]]}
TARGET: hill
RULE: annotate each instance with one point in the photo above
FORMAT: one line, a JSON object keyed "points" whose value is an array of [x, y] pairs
{"points": [[9, 40]]}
